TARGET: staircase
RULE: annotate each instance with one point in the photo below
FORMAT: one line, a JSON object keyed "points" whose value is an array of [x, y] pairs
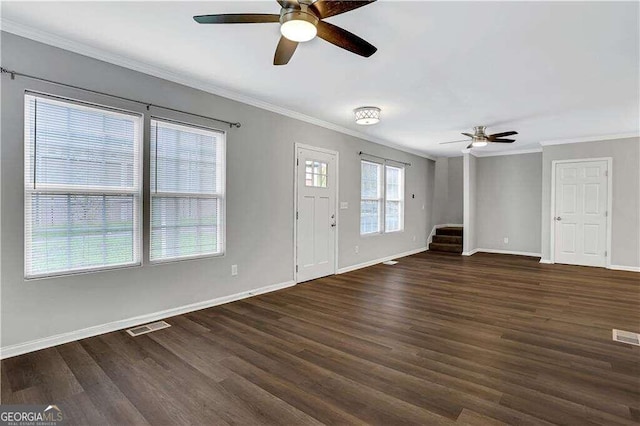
{"points": [[448, 239]]}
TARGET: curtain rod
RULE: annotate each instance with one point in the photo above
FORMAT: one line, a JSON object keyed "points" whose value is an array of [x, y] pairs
{"points": [[147, 104], [385, 159]]}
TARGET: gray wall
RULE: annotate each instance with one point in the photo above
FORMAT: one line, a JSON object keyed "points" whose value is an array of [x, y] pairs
{"points": [[455, 189], [259, 202], [440, 190], [508, 202], [625, 235], [447, 204]]}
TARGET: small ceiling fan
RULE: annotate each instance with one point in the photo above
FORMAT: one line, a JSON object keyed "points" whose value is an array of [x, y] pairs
{"points": [[479, 138], [300, 21]]}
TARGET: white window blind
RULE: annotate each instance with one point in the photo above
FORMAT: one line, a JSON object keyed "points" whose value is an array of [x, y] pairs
{"points": [[82, 187], [394, 199], [378, 200], [371, 198], [187, 191]]}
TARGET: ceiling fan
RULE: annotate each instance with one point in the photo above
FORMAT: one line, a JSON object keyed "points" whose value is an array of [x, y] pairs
{"points": [[300, 21], [479, 138]]}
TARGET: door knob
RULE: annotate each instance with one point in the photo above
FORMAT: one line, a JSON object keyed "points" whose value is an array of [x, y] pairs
{"points": [[558, 218]]}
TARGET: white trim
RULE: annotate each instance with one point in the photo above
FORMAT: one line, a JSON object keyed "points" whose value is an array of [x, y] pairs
{"points": [[625, 268], [516, 253], [590, 139], [470, 253], [612, 267], [466, 203], [296, 146], [433, 231], [482, 154], [552, 230], [102, 55], [383, 259], [59, 339]]}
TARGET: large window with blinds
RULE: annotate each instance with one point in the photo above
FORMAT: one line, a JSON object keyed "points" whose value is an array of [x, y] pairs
{"points": [[381, 198], [187, 191], [83, 187]]}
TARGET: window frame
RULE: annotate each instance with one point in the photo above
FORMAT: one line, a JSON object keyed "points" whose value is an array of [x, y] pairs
{"points": [[382, 222], [222, 213], [32, 187]]}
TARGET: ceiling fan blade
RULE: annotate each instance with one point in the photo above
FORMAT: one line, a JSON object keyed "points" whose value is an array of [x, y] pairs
{"points": [[461, 140], [284, 51], [327, 8], [500, 135], [344, 39], [237, 18], [468, 134], [502, 140]]}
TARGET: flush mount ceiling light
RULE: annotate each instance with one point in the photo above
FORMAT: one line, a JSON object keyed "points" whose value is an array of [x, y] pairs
{"points": [[367, 116]]}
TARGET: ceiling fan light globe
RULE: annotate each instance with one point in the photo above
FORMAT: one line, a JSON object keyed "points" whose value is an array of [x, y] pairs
{"points": [[479, 144], [298, 30]]}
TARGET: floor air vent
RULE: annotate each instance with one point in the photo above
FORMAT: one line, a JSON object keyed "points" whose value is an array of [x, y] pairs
{"points": [[148, 328], [390, 262], [626, 337]]}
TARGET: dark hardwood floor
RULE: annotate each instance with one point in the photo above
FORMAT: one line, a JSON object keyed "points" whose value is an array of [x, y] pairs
{"points": [[435, 339]]}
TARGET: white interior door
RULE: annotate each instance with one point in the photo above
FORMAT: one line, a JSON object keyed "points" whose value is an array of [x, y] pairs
{"points": [[316, 214], [580, 216]]}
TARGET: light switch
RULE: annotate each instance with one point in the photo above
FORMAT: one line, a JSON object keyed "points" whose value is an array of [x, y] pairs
{"points": [[344, 205]]}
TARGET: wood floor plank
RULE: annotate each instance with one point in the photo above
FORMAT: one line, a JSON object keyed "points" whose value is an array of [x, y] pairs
{"points": [[436, 339]]}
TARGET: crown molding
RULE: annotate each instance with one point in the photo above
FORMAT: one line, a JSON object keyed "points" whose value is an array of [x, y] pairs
{"points": [[125, 62], [590, 139], [512, 152]]}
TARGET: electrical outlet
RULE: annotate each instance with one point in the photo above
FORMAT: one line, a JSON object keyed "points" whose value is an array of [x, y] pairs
{"points": [[234, 270], [414, 238], [423, 207], [357, 249], [506, 240]]}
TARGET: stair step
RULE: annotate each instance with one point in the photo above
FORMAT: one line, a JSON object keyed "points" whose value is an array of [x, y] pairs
{"points": [[447, 239], [450, 230], [449, 248]]}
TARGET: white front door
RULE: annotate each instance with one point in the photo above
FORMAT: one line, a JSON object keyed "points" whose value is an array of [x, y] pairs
{"points": [[316, 214], [580, 216]]}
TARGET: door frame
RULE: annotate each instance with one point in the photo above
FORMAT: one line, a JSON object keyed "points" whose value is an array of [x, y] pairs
{"points": [[296, 146], [552, 232]]}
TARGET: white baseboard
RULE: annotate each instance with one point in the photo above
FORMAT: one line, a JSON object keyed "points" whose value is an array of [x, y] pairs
{"points": [[612, 267], [517, 253], [433, 231], [58, 339], [625, 268], [376, 261], [470, 253]]}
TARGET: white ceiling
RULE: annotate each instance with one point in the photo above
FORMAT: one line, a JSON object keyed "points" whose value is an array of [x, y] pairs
{"points": [[549, 70]]}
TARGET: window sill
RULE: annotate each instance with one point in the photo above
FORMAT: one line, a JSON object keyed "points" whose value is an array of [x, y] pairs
{"points": [[72, 273], [185, 258]]}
